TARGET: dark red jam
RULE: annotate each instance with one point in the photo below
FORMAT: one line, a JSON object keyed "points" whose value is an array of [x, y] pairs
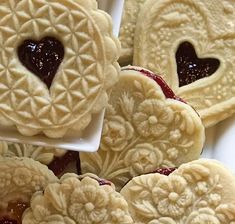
{"points": [[164, 171], [42, 57], [190, 68]]}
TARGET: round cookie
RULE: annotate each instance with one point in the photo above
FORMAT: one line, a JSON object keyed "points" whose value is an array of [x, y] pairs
{"points": [[41, 154], [58, 59], [19, 179], [127, 30], [191, 43], [77, 201], [197, 192], [145, 127]]}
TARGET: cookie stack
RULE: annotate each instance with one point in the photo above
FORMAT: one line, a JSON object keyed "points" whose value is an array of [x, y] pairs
{"points": [[58, 66]]}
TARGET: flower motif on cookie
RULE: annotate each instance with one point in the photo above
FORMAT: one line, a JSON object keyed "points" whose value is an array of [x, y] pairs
{"points": [[146, 127], [196, 192], [191, 44], [78, 200], [57, 62]]}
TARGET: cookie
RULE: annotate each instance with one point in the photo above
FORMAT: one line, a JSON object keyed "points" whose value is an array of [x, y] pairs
{"points": [[145, 127], [197, 192], [127, 30], [79, 202], [41, 154], [57, 61], [19, 179], [191, 43]]}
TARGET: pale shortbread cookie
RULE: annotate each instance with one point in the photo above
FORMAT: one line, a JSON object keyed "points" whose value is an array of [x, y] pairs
{"points": [[127, 30], [20, 178], [198, 192], [41, 154], [74, 201], [164, 25], [143, 130], [88, 69]]}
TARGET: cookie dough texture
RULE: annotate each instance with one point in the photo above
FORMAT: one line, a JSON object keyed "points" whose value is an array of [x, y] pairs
{"points": [[143, 130], [20, 178], [209, 26], [127, 30], [76, 201], [88, 70], [41, 154], [197, 192]]}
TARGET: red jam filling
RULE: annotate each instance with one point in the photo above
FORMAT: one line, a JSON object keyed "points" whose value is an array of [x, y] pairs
{"points": [[190, 68], [164, 171], [13, 213], [167, 91], [42, 57]]}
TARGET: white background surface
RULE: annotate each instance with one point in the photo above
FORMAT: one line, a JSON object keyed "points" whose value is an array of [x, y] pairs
{"points": [[220, 143]]}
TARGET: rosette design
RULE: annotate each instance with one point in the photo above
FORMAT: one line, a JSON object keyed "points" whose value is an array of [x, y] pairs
{"points": [[196, 192], [146, 127], [75, 201]]}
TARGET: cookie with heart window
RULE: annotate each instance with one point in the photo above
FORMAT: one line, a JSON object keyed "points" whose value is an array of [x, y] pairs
{"points": [[197, 192], [20, 178], [146, 127], [191, 44], [58, 60]]}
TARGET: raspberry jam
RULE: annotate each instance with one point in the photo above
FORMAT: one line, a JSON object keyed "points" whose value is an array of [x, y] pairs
{"points": [[190, 68], [42, 57], [13, 213]]}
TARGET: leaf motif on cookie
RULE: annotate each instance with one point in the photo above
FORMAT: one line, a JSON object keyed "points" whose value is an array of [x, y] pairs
{"points": [[180, 198], [191, 44], [146, 127]]}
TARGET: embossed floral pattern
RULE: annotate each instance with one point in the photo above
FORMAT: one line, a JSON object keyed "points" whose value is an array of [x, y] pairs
{"points": [[39, 153], [21, 177], [152, 118], [143, 158], [203, 215], [198, 192], [172, 196], [116, 133], [143, 130], [78, 201]]}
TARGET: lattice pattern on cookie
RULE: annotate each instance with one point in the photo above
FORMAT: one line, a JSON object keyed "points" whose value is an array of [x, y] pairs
{"points": [[88, 69], [209, 26]]}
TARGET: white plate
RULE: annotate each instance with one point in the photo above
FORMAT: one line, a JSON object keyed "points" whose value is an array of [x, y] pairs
{"points": [[90, 139], [220, 143]]}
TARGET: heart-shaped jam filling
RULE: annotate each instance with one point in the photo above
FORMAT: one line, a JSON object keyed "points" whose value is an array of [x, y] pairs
{"points": [[13, 213], [190, 68], [42, 57]]}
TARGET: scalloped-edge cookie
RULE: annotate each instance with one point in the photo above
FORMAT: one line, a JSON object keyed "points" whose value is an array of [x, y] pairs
{"points": [[201, 191], [41, 154], [58, 59], [20, 178], [127, 30], [191, 43], [77, 201], [145, 127]]}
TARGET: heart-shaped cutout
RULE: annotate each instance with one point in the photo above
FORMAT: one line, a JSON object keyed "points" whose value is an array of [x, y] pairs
{"points": [[42, 57], [143, 130], [190, 68]]}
